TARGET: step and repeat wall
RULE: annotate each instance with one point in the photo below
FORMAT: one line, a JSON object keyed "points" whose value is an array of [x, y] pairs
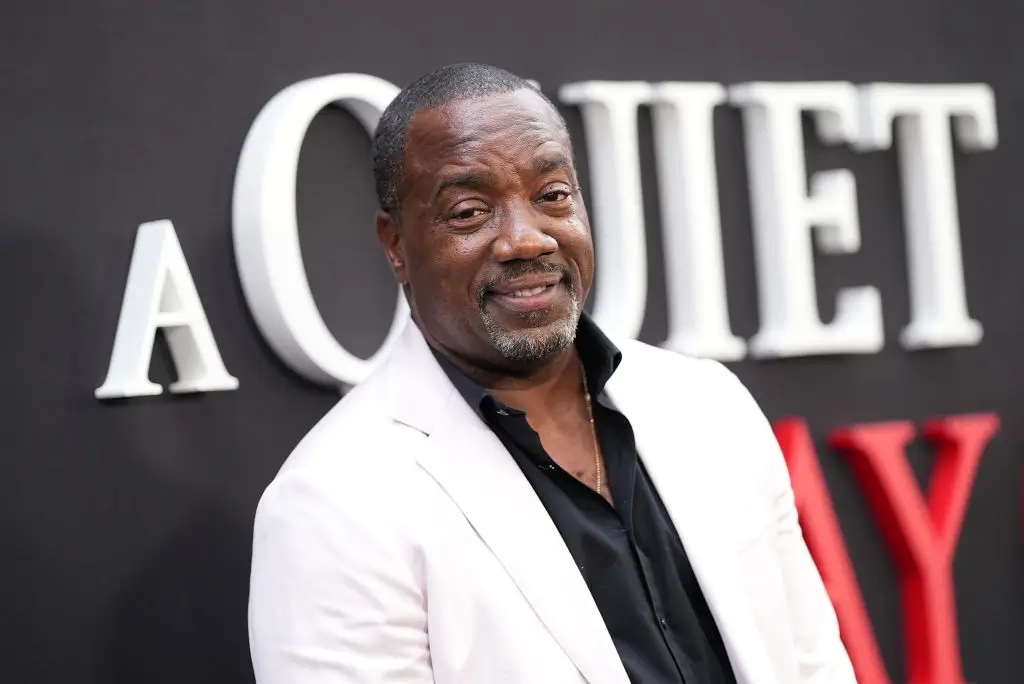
{"points": [[824, 196]]}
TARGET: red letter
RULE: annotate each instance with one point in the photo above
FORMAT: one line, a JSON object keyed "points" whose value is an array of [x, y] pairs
{"points": [[825, 540], [922, 536]]}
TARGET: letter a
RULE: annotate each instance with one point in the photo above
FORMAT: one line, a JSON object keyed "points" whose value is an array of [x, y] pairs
{"points": [[160, 293]]}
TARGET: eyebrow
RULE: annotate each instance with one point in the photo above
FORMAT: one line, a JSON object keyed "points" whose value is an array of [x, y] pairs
{"points": [[469, 179], [551, 162], [477, 180]]}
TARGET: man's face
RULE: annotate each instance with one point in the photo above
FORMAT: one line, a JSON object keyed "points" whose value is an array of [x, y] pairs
{"points": [[492, 238]]}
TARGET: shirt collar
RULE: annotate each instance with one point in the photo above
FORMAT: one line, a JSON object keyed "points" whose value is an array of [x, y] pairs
{"points": [[599, 354]]}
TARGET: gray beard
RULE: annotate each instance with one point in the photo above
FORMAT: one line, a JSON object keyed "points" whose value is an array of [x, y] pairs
{"points": [[534, 344]]}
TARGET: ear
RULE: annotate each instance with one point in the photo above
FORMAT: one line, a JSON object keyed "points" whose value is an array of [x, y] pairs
{"points": [[394, 246]]}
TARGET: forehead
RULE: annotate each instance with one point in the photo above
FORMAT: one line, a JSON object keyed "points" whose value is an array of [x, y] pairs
{"points": [[486, 130]]}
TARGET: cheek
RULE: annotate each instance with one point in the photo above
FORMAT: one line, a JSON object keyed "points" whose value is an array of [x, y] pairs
{"points": [[578, 247], [446, 271], [465, 252], [577, 240], [578, 223]]}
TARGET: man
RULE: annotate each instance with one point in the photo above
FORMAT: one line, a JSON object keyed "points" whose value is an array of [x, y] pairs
{"points": [[512, 497]]}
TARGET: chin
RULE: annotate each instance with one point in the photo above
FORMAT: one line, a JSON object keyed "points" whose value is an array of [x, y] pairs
{"points": [[533, 343]]}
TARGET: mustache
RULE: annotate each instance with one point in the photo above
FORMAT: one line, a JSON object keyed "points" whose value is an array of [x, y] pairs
{"points": [[519, 269]]}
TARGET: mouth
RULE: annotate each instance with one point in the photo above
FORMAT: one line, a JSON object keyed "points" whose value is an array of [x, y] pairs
{"points": [[520, 296], [529, 292]]}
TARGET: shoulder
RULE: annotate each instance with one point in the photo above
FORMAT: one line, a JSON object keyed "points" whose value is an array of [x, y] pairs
{"points": [[715, 401], [707, 379], [354, 466]]}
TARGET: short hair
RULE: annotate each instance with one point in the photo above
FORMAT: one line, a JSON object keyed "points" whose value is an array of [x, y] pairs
{"points": [[450, 83]]}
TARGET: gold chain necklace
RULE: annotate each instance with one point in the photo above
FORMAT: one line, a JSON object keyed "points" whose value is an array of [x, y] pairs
{"points": [[593, 432]]}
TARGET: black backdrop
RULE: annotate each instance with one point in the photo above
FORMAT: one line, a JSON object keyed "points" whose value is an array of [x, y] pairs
{"points": [[125, 526]]}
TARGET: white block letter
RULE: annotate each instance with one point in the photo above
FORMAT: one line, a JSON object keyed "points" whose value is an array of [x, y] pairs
{"points": [[160, 293], [266, 233], [610, 119], [698, 314], [938, 302], [784, 211]]}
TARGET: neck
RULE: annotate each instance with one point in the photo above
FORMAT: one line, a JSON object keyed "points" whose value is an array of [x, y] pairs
{"points": [[537, 388], [553, 386]]}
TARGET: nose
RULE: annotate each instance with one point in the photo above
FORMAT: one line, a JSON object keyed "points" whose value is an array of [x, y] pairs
{"points": [[523, 236]]}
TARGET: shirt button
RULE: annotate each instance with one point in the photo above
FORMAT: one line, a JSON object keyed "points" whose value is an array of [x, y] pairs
{"points": [[663, 622]]}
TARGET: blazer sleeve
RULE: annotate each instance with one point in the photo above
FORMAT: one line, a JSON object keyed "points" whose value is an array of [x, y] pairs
{"points": [[822, 657], [336, 593]]}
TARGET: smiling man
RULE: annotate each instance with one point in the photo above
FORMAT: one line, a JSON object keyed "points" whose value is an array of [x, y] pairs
{"points": [[512, 496]]}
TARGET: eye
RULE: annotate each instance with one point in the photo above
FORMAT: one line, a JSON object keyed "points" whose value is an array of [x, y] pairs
{"points": [[467, 212], [556, 194]]}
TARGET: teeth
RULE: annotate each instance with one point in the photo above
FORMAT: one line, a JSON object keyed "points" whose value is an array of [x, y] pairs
{"points": [[530, 292]]}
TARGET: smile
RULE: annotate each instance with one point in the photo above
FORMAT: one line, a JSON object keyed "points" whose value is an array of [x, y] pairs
{"points": [[527, 299], [529, 292]]}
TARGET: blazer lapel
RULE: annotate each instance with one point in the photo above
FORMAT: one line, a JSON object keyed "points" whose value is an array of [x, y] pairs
{"points": [[663, 435], [477, 472]]}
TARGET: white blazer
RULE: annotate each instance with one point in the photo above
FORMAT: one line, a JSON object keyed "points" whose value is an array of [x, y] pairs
{"points": [[401, 544]]}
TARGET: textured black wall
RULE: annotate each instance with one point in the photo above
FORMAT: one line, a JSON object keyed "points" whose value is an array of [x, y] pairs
{"points": [[125, 526]]}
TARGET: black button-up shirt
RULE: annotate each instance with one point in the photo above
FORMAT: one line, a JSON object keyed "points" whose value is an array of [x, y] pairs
{"points": [[630, 555]]}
